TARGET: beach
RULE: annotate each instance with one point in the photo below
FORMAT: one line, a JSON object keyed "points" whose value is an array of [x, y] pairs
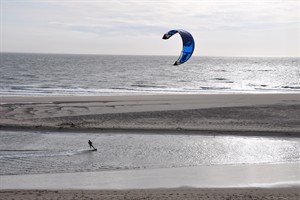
{"points": [[137, 100], [276, 113], [251, 115]]}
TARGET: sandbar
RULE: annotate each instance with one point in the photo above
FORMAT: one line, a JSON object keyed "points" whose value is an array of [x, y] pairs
{"points": [[254, 113]]}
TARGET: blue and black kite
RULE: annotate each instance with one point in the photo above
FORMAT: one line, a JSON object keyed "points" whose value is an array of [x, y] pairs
{"points": [[188, 44]]}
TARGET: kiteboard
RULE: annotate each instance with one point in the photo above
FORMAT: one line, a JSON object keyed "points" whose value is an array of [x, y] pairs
{"points": [[93, 150]]}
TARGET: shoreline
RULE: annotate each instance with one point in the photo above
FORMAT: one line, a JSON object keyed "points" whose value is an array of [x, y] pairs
{"points": [[142, 97], [208, 132]]}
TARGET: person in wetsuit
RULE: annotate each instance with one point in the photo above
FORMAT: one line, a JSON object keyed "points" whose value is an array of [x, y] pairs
{"points": [[91, 144]]}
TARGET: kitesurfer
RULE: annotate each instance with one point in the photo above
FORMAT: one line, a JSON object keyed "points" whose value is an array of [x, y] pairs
{"points": [[91, 144]]}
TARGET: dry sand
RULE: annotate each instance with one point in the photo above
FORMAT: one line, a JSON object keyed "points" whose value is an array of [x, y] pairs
{"points": [[176, 193], [214, 112], [210, 176]]}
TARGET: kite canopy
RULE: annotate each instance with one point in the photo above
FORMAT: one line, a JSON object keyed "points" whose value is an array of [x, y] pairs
{"points": [[187, 42]]}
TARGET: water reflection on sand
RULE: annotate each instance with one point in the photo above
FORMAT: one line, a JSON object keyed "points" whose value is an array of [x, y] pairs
{"points": [[56, 152]]}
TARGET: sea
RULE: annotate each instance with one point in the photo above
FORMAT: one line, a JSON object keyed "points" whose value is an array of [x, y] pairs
{"points": [[102, 75]]}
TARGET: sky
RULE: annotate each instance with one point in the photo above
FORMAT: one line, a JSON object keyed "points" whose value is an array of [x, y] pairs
{"points": [[135, 27]]}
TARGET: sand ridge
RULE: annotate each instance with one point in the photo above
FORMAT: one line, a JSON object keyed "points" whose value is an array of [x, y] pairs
{"points": [[227, 112]]}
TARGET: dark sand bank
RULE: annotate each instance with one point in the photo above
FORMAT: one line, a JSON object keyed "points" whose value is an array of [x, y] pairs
{"points": [[248, 113]]}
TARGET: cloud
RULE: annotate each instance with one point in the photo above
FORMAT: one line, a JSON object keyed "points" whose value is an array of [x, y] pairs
{"points": [[110, 21], [148, 17], [113, 28], [133, 16]]}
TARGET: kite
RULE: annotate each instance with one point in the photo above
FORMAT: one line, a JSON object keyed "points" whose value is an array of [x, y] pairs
{"points": [[187, 42]]}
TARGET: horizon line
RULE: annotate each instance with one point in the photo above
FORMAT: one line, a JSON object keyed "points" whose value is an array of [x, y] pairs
{"points": [[101, 54]]}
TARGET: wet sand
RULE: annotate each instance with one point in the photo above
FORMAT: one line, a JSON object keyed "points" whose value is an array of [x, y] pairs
{"points": [[206, 112]]}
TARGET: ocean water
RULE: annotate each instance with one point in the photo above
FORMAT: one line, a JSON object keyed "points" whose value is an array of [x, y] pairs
{"points": [[49, 74], [63, 152]]}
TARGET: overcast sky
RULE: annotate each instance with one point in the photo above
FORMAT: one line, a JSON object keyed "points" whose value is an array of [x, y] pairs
{"points": [[220, 28]]}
